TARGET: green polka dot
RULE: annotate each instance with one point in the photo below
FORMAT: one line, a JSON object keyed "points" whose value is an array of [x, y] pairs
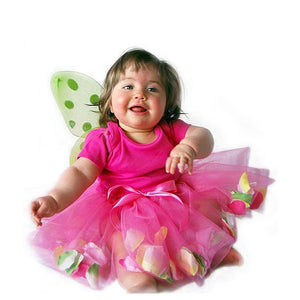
{"points": [[72, 84], [69, 104], [87, 126], [81, 146], [94, 99], [72, 123]]}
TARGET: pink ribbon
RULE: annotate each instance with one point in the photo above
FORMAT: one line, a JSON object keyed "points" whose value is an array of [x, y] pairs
{"points": [[120, 195]]}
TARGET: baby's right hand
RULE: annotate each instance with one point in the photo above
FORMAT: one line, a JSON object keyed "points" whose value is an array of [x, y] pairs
{"points": [[43, 207]]}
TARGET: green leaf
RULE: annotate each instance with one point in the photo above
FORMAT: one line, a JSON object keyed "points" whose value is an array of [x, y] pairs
{"points": [[69, 261], [241, 196], [93, 270], [200, 262], [92, 275]]}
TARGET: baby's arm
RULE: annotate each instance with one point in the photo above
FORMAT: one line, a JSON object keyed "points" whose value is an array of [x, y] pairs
{"points": [[197, 143], [73, 182]]}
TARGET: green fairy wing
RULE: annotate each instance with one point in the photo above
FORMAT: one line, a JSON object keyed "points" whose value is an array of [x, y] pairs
{"points": [[77, 96]]}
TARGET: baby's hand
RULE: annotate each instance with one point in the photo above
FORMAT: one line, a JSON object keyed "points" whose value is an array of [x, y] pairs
{"points": [[180, 156], [42, 208]]}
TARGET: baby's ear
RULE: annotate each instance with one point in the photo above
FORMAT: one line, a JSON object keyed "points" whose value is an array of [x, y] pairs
{"points": [[110, 106]]}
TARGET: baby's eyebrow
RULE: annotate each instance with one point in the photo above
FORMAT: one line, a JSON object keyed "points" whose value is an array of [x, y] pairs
{"points": [[155, 81], [131, 78], [125, 78]]}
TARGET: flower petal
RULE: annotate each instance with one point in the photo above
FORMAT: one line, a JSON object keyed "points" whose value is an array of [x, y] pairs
{"points": [[94, 254], [69, 261], [238, 207], [244, 185], [187, 261], [92, 275], [160, 235], [133, 239], [152, 259], [130, 264]]}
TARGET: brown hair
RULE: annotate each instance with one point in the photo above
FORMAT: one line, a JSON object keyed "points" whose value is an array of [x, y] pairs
{"points": [[139, 58]]}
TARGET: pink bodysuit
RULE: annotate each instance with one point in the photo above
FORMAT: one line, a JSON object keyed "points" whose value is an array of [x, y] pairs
{"points": [[123, 161]]}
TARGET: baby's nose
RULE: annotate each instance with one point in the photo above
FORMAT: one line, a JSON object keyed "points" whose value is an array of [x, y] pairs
{"points": [[139, 95]]}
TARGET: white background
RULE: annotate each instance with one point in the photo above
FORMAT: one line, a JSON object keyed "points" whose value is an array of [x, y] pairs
{"points": [[239, 62]]}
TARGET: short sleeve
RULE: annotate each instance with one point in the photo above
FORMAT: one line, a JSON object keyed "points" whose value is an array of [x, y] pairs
{"points": [[175, 131], [95, 148], [179, 129]]}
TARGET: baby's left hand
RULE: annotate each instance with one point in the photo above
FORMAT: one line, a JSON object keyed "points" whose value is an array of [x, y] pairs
{"points": [[180, 156]]}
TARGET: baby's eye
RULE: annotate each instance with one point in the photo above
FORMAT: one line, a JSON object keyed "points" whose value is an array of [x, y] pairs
{"points": [[128, 87], [153, 89]]}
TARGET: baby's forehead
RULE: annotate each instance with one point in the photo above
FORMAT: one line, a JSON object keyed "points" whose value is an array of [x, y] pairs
{"points": [[136, 68]]}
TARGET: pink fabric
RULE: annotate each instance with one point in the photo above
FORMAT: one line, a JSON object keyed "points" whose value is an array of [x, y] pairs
{"points": [[123, 161], [174, 227]]}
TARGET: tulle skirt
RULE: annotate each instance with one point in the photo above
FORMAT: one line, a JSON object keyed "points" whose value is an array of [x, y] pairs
{"points": [[178, 231]]}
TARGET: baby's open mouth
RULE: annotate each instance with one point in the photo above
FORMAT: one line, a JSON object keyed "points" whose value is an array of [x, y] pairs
{"points": [[138, 109]]}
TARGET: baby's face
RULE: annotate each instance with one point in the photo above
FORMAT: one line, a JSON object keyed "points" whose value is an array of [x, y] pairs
{"points": [[139, 99]]}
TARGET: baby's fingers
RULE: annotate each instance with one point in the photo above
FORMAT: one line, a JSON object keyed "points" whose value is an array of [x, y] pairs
{"points": [[182, 162], [185, 161], [179, 162], [42, 208], [34, 207], [171, 165], [189, 164]]}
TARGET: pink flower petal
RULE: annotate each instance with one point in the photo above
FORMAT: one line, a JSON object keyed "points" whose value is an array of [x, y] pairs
{"points": [[257, 200], [238, 207]]}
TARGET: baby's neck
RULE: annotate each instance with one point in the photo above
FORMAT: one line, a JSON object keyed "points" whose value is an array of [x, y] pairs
{"points": [[141, 137]]}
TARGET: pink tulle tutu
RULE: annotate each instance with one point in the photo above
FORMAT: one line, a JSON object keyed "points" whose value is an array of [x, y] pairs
{"points": [[180, 230]]}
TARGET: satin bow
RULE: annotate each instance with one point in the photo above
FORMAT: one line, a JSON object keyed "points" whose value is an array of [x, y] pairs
{"points": [[121, 195]]}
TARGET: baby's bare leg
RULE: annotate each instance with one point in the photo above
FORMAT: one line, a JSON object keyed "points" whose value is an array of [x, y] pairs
{"points": [[131, 281], [233, 258], [211, 209]]}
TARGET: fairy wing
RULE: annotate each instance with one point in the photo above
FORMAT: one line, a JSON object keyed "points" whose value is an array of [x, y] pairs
{"points": [[77, 147], [77, 96]]}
